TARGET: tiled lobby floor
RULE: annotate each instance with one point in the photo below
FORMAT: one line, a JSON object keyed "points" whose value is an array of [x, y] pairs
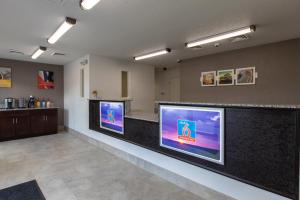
{"points": [[67, 168]]}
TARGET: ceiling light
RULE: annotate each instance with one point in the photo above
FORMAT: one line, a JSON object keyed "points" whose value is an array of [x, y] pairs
{"points": [[38, 52], [88, 4], [222, 36], [157, 53], [64, 27]]}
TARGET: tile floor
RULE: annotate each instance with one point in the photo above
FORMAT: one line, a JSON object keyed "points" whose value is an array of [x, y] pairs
{"points": [[68, 168]]}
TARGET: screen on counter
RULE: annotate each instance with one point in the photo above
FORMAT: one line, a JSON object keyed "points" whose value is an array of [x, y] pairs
{"points": [[112, 116], [196, 131]]}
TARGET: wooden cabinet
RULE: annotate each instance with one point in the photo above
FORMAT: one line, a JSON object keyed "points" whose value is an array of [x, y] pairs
{"points": [[27, 123], [6, 125], [21, 124], [45, 122]]}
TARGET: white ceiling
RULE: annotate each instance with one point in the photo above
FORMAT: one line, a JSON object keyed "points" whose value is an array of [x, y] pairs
{"points": [[126, 28]]}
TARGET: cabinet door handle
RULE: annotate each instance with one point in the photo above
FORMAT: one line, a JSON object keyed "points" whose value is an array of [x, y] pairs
{"points": [[46, 118], [13, 120], [16, 120]]}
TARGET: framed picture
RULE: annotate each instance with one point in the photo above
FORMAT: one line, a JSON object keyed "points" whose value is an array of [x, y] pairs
{"points": [[45, 80], [245, 76], [208, 78], [194, 131], [225, 77], [5, 77]]}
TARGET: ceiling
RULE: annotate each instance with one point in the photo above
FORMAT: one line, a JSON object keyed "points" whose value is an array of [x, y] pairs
{"points": [[122, 29]]}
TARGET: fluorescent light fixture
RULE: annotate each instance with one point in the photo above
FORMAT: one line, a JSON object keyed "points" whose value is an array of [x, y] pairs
{"points": [[157, 53], [222, 36], [38, 52], [88, 4], [64, 27]]}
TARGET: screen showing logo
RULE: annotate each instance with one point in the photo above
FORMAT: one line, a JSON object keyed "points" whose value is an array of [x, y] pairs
{"points": [[111, 116], [186, 130]]}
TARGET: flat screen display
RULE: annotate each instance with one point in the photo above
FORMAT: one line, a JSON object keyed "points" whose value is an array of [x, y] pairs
{"points": [[196, 131], [112, 116]]}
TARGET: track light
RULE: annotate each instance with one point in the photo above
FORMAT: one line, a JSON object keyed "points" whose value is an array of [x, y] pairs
{"points": [[153, 54], [63, 28], [88, 4], [38, 52], [222, 36]]}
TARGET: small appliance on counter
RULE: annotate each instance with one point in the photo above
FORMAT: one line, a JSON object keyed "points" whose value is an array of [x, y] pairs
{"points": [[9, 103], [31, 102], [22, 103]]}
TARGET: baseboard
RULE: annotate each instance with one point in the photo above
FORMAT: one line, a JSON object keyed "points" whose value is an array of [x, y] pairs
{"points": [[187, 184]]}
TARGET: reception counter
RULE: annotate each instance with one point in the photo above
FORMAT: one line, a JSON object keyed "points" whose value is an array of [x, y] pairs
{"points": [[261, 142]]}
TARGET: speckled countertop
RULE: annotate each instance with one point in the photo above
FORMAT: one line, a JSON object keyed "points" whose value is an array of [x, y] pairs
{"points": [[19, 109], [288, 106], [152, 117]]}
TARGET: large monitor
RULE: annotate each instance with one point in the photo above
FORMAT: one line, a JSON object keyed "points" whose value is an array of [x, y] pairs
{"points": [[196, 131], [112, 116]]}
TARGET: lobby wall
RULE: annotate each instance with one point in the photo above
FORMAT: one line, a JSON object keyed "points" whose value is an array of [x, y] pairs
{"points": [[105, 77], [24, 82], [278, 80]]}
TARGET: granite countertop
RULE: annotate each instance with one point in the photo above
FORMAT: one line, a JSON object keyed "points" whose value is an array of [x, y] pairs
{"points": [[17, 109], [98, 99], [152, 117], [288, 106]]}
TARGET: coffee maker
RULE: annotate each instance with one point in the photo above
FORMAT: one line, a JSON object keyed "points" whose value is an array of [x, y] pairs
{"points": [[31, 102], [9, 103]]}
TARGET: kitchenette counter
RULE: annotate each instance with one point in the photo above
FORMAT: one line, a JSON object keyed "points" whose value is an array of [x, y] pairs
{"points": [[24, 109]]}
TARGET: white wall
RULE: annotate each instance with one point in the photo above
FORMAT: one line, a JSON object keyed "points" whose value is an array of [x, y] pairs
{"points": [[167, 84], [76, 117], [76, 108], [105, 77]]}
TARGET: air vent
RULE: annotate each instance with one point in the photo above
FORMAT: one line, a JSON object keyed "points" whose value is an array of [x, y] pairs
{"points": [[58, 54], [240, 38], [197, 47], [64, 2], [13, 51]]}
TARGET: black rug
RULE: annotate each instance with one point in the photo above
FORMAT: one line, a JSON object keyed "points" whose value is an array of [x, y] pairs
{"points": [[25, 191]]}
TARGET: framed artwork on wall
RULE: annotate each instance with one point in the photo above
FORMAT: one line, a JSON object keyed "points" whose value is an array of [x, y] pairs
{"points": [[45, 80], [245, 76], [225, 77], [5, 77], [208, 79]]}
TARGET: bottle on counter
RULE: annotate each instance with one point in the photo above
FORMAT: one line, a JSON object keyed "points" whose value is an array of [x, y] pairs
{"points": [[37, 103], [43, 103], [48, 104]]}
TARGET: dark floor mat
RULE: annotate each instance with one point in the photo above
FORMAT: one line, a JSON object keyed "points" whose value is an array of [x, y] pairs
{"points": [[25, 191]]}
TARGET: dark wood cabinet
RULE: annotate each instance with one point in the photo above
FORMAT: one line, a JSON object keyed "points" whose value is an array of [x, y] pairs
{"points": [[27, 123], [6, 125], [21, 124], [44, 122], [51, 122]]}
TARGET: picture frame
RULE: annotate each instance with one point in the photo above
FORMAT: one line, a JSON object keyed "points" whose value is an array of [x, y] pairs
{"points": [[245, 76], [226, 77], [208, 79], [5, 77], [45, 80]]}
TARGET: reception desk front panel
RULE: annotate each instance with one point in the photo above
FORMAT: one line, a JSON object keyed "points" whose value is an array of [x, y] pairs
{"points": [[261, 145]]}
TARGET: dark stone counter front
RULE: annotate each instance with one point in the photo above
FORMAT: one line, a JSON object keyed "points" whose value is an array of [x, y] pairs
{"points": [[261, 145]]}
